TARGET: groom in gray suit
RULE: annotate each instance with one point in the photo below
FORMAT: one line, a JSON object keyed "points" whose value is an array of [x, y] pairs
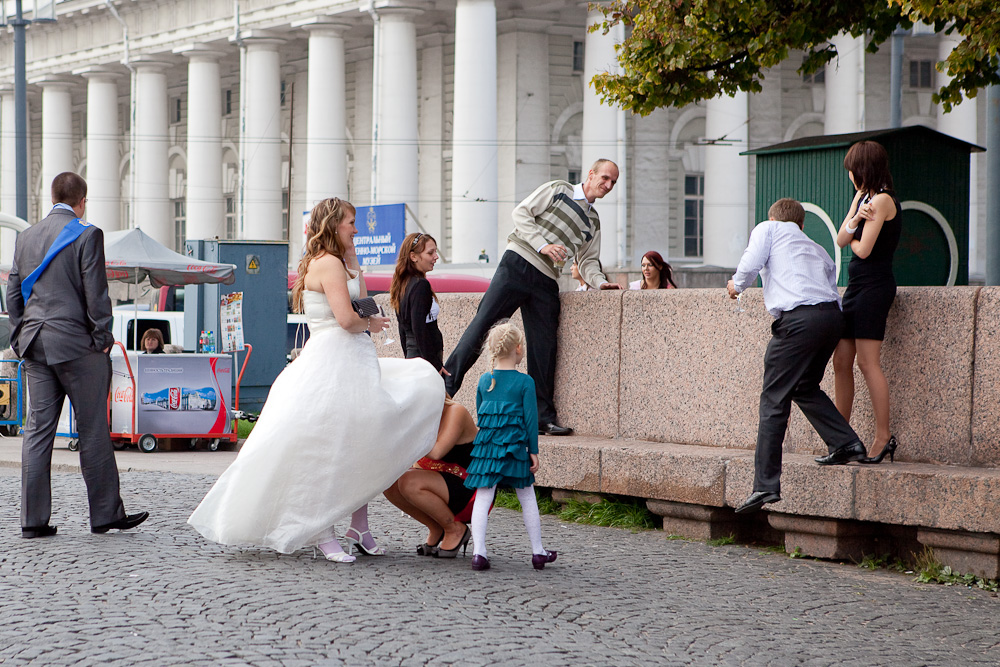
{"points": [[60, 317]]}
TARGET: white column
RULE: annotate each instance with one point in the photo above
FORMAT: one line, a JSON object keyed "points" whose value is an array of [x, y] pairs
{"points": [[603, 132], [962, 123], [57, 129], [8, 172], [326, 130], [394, 101], [524, 160], [845, 87], [727, 181], [432, 121], [150, 202], [262, 140], [205, 208], [474, 132], [103, 157]]}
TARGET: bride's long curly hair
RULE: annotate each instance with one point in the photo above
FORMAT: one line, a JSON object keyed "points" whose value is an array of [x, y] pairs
{"points": [[321, 239]]}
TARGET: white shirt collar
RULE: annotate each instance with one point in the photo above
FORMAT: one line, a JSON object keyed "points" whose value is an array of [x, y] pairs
{"points": [[579, 195], [65, 206]]}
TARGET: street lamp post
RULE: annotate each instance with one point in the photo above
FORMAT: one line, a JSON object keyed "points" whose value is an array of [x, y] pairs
{"points": [[19, 24]]}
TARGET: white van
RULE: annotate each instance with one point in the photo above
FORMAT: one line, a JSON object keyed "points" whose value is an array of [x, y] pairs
{"points": [[169, 322]]}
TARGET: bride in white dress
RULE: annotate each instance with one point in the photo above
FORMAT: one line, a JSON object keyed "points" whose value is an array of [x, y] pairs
{"points": [[339, 426]]}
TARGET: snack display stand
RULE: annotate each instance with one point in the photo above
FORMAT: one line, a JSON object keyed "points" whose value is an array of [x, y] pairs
{"points": [[172, 396]]}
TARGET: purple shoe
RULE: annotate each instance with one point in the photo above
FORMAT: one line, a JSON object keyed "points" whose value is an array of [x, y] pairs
{"points": [[480, 563], [538, 561]]}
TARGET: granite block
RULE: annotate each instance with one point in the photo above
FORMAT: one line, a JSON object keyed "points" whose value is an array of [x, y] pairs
{"points": [[825, 538], [932, 496], [661, 471], [588, 361], [806, 487], [965, 553], [927, 357], [695, 522], [985, 450], [691, 367], [572, 463]]}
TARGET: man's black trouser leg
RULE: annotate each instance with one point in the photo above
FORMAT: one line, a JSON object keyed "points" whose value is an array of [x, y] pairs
{"points": [[802, 342]]}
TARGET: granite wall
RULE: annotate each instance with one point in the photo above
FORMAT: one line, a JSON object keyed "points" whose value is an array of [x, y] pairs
{"points": [[685, 367]]}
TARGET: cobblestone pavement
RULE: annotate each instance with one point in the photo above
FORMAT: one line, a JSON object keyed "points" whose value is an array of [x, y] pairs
{"points": [[163, 595]]}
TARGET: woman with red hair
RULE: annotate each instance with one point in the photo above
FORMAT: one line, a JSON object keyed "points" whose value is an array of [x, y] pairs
{"points": [[656, 273]]}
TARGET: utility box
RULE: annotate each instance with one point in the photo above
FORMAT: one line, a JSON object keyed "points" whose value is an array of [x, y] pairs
{"points": [[930, 172], [262, 276]]}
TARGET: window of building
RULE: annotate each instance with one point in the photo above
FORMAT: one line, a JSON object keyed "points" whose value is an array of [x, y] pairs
{"points": [[180, 224], [573, 176], [921, 74], [817, 77], [283, 89], [284, 215], [227, 103], [175, 110], [694, 215], [231, 218], [578, 56]]}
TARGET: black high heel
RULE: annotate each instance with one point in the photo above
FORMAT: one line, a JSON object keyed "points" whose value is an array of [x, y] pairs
{"points": [[890, 449], [428, 549], [463, 545]]}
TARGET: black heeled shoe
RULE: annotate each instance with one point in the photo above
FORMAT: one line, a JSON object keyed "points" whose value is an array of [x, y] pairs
{"points": [[428, 549], [463, 545], [890, 449]]}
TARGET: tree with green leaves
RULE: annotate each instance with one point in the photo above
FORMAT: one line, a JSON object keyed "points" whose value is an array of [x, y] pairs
{"points": [[680, 51]]}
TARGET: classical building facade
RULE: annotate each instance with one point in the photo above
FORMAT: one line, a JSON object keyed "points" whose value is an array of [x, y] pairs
{"points": [[205, 118]]}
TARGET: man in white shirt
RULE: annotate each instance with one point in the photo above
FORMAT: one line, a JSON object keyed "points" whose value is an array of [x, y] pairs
{"points": [[800, 292]]}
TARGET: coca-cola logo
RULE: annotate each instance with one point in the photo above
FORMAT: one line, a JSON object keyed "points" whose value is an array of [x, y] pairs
{"points": [[123, 395], [175, 398]]}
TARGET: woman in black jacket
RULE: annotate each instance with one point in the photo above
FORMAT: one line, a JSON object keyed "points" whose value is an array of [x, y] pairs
{"points": [[414, 300]]}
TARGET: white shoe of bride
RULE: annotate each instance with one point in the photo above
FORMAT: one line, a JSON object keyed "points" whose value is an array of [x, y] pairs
{"points": [[357, 542], [335, 556]]}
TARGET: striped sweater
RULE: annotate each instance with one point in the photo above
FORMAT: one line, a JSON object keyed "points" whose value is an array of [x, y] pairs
{"points": [[551, 215]]}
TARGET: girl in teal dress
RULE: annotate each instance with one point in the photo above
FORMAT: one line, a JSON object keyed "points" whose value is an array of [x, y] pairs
{"points": [[505, 450]]}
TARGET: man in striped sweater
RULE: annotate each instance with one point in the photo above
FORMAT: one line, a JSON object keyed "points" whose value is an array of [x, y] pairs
{"points": [[555, 222]]}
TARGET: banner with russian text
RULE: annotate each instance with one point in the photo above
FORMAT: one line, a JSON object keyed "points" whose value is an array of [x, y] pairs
{"points": [[381, 230]]}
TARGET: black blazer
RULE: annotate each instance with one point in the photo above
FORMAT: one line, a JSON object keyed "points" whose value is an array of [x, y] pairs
{"points": [[419, 337], [69, 306]]}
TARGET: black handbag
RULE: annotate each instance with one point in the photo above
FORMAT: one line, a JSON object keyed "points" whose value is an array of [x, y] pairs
{"points": [[365, 307]]}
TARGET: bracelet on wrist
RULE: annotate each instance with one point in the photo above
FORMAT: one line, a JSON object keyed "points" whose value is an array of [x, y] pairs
{"points": [[368, 327], [850, 230]]}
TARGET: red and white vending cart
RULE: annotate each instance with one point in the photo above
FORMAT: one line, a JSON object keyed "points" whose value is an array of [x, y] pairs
{"points": [[177, 396]]}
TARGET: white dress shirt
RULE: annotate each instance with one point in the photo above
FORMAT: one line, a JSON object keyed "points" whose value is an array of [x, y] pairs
{"points": [[795, 269]]}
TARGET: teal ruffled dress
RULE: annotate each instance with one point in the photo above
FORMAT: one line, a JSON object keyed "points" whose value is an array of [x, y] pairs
{"points": [[508, 431]]}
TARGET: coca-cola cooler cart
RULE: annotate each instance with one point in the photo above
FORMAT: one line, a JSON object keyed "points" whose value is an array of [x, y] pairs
{"points": [[176, 396], [173, 396]]}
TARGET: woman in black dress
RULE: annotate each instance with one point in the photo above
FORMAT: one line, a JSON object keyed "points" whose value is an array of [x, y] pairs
{"points": [[433, 491], [872, 229], [414, 300]]}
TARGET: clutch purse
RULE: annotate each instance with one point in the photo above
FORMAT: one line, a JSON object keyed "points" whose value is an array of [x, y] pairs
{"points": [[365, 307]]}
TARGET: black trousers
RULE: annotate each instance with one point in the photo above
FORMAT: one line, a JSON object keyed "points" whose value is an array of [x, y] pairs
{"points": [[516, 284], [802, 342], [86, 381]]}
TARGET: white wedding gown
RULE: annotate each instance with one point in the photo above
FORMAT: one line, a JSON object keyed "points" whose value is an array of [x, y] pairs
{"points": [[339, 427]]}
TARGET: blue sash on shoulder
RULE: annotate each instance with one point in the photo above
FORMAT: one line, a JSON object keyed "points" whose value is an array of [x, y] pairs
{"points": [[69, 233]]}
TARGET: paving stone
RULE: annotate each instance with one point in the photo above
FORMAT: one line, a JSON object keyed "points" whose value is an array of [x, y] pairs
{"points": [[163, 595]]}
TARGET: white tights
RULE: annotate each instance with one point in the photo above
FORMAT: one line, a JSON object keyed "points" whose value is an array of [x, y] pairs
{"points": [[529, 511]]}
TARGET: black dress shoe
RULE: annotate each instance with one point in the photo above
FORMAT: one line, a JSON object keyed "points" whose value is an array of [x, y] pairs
{"points": [[757, 500], [852, 452], [130, 521], [38, 531], [554, 429]]}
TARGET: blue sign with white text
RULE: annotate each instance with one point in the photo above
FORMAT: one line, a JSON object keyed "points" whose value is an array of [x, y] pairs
{"points": [[381, 230]]}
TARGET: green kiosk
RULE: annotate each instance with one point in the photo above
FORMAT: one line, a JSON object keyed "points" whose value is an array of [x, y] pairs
{"points": [[930, 171]]}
